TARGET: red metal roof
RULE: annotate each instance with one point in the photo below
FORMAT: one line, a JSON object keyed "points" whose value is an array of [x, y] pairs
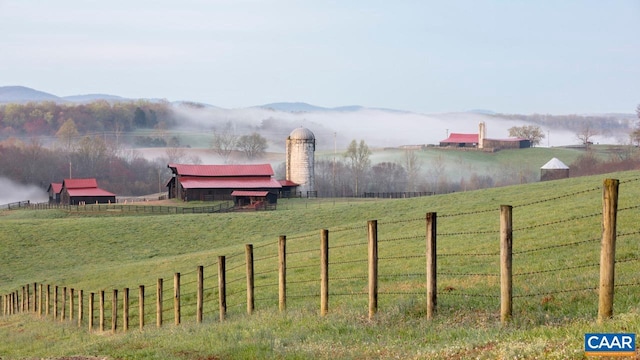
{"points": [[80, 183], [461, 138], [56, 187], [287, 183], [249, 193], [189, 182], [89, 192], [222, 170]]}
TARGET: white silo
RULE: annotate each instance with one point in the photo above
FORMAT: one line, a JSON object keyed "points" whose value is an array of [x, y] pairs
{"points": [[301, 145]]}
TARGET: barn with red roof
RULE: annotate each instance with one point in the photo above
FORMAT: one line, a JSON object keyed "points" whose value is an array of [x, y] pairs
{"points": [[84, 191], [480, 141], [244, 184]]}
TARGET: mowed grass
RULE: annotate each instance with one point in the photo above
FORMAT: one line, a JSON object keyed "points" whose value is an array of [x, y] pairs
{"points": [[557, 226]]}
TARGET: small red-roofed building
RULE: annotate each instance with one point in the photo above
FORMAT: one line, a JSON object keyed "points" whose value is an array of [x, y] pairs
{"points": [[84, 191], [54, 193]]}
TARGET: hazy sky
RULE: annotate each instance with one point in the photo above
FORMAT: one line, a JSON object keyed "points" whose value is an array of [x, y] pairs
{"points": [[516, 56]]}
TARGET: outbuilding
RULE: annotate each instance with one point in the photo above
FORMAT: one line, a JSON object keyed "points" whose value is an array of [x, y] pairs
{"points": [[554, 169]]}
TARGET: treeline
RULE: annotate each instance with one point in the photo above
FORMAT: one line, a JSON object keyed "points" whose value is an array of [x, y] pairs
{"points": [[46, 118], [123, 173], [573, 122]]}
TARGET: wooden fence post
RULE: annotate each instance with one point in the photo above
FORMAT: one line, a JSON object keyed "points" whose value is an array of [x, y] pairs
{"points": [[80, 308], [114, 311], [141, 306], [26, 298], [324, 272], [373, 267], [176, 298], [608, 249], [159, 303], [250, 278], [71, 293], [506, 278], [282, 273], [222, 287], [125, 309], [55, 303], [48, 300], [63, 310], [35, 297], [432, 268], [91, 316], [200, 294], [40, 291], [101, 304]]}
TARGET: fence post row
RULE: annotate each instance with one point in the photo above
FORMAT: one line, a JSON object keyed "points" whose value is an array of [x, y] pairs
{"points": [[37, 299]]}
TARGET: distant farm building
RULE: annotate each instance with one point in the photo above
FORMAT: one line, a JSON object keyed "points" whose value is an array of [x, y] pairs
{"points": [[241, 183], [480, 141], [300, 148], [554, 169], [54, 193], [84, 191]]}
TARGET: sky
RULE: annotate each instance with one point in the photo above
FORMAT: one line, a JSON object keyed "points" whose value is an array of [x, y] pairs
{"points": [[542, 56]]}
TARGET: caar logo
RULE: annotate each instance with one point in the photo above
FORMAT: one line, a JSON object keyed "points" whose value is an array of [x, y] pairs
{"points": [[609, 344]]}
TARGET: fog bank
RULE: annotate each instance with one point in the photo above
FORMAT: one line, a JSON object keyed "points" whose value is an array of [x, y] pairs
{"points": [[11, 191]]}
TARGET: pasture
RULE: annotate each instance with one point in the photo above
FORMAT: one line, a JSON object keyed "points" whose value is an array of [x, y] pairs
{"points": [[557, 227]]}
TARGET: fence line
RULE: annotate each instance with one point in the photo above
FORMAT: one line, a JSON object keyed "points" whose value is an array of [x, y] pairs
{"points": [[386, 272]]}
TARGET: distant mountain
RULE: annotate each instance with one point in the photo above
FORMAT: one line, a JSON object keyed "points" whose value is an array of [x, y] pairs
{"points": [[304, 107], [94, 97], [22, 94]]}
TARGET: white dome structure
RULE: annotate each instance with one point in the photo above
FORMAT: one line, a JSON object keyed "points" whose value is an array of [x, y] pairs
{"points": [[300, 148]]}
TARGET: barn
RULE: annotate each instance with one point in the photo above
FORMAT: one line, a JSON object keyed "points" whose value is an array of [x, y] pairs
{"points": [[84, 191], [219, 182], [54, 193], [460, 140], [480, 141]]}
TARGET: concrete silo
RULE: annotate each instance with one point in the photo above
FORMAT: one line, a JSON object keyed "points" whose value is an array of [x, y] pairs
{"points": [[301, 145]]}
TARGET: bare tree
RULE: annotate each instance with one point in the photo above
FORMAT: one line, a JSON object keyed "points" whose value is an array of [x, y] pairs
{"points": [[224, 141], [358, 158], [586, 134], [412, 165], [253, 146]]}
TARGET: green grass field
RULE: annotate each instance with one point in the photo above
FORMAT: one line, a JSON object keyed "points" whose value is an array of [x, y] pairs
{"points": [[557, 229]]}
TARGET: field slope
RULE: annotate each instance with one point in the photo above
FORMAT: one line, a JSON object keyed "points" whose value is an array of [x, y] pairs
{"points": [[557, 227]]}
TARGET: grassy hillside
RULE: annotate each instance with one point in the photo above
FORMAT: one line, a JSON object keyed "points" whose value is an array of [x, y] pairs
{"points": [[557, 227]]}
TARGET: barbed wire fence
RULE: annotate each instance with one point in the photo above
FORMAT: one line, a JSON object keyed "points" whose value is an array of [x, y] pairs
{"points": [[384, 264]]}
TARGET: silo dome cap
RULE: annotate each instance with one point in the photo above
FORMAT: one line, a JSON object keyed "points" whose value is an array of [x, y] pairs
{"points": [[301, 134]]}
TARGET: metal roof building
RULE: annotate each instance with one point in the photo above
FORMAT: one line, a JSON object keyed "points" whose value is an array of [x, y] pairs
{"points": [[218, 182], [84, 191]]}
